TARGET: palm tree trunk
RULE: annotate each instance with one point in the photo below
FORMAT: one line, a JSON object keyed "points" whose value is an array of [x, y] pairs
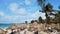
{"points": [[47, 18]]}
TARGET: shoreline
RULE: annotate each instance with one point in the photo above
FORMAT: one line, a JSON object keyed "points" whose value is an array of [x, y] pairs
{"points": [[31, 27]]}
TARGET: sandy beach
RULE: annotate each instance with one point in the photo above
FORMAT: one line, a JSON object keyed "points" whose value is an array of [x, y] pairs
{"points": [[29, 29]]}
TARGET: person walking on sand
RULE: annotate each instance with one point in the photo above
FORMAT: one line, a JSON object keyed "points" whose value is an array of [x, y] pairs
{"points": [[36, 32], [18, 32], [12, 32]]}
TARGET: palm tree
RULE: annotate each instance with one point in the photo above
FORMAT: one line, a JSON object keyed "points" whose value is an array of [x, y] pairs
{"points": [[47, 9], [59, 14], [41, 3], [57, 17]]}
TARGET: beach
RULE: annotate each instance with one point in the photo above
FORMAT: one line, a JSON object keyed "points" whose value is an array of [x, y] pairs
{"points": [[27, 29]]}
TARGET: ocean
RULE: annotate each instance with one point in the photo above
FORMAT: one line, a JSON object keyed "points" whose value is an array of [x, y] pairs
{"points": [[4, 26]]}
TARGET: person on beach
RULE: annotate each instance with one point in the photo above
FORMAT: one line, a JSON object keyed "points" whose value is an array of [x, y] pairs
{"points": [[18, 32], [36, 32], [12, 32]]}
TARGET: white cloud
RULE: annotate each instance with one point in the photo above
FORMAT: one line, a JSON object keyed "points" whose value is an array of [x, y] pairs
{"points": [[1, 13], [14, 19], [20, 18], [13, 7], [38, 14], [20, 14], [43, 16], [27, 2], [21, 11]]}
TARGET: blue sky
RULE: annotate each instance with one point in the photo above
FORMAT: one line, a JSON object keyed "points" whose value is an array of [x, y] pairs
{"points": [[18, 11]]}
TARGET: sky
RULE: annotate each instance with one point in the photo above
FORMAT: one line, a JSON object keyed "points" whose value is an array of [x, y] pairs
{"points": [[19, 11]]}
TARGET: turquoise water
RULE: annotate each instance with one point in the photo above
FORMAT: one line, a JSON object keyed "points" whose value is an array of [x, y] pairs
{"points": [[4, 26]]}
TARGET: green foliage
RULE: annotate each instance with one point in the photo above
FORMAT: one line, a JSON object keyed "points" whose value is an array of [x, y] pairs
{"points": [[32, 21], [46, 8], [41, 2], [58, 30], [26, 22], [57, 17], [40, 19]]}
